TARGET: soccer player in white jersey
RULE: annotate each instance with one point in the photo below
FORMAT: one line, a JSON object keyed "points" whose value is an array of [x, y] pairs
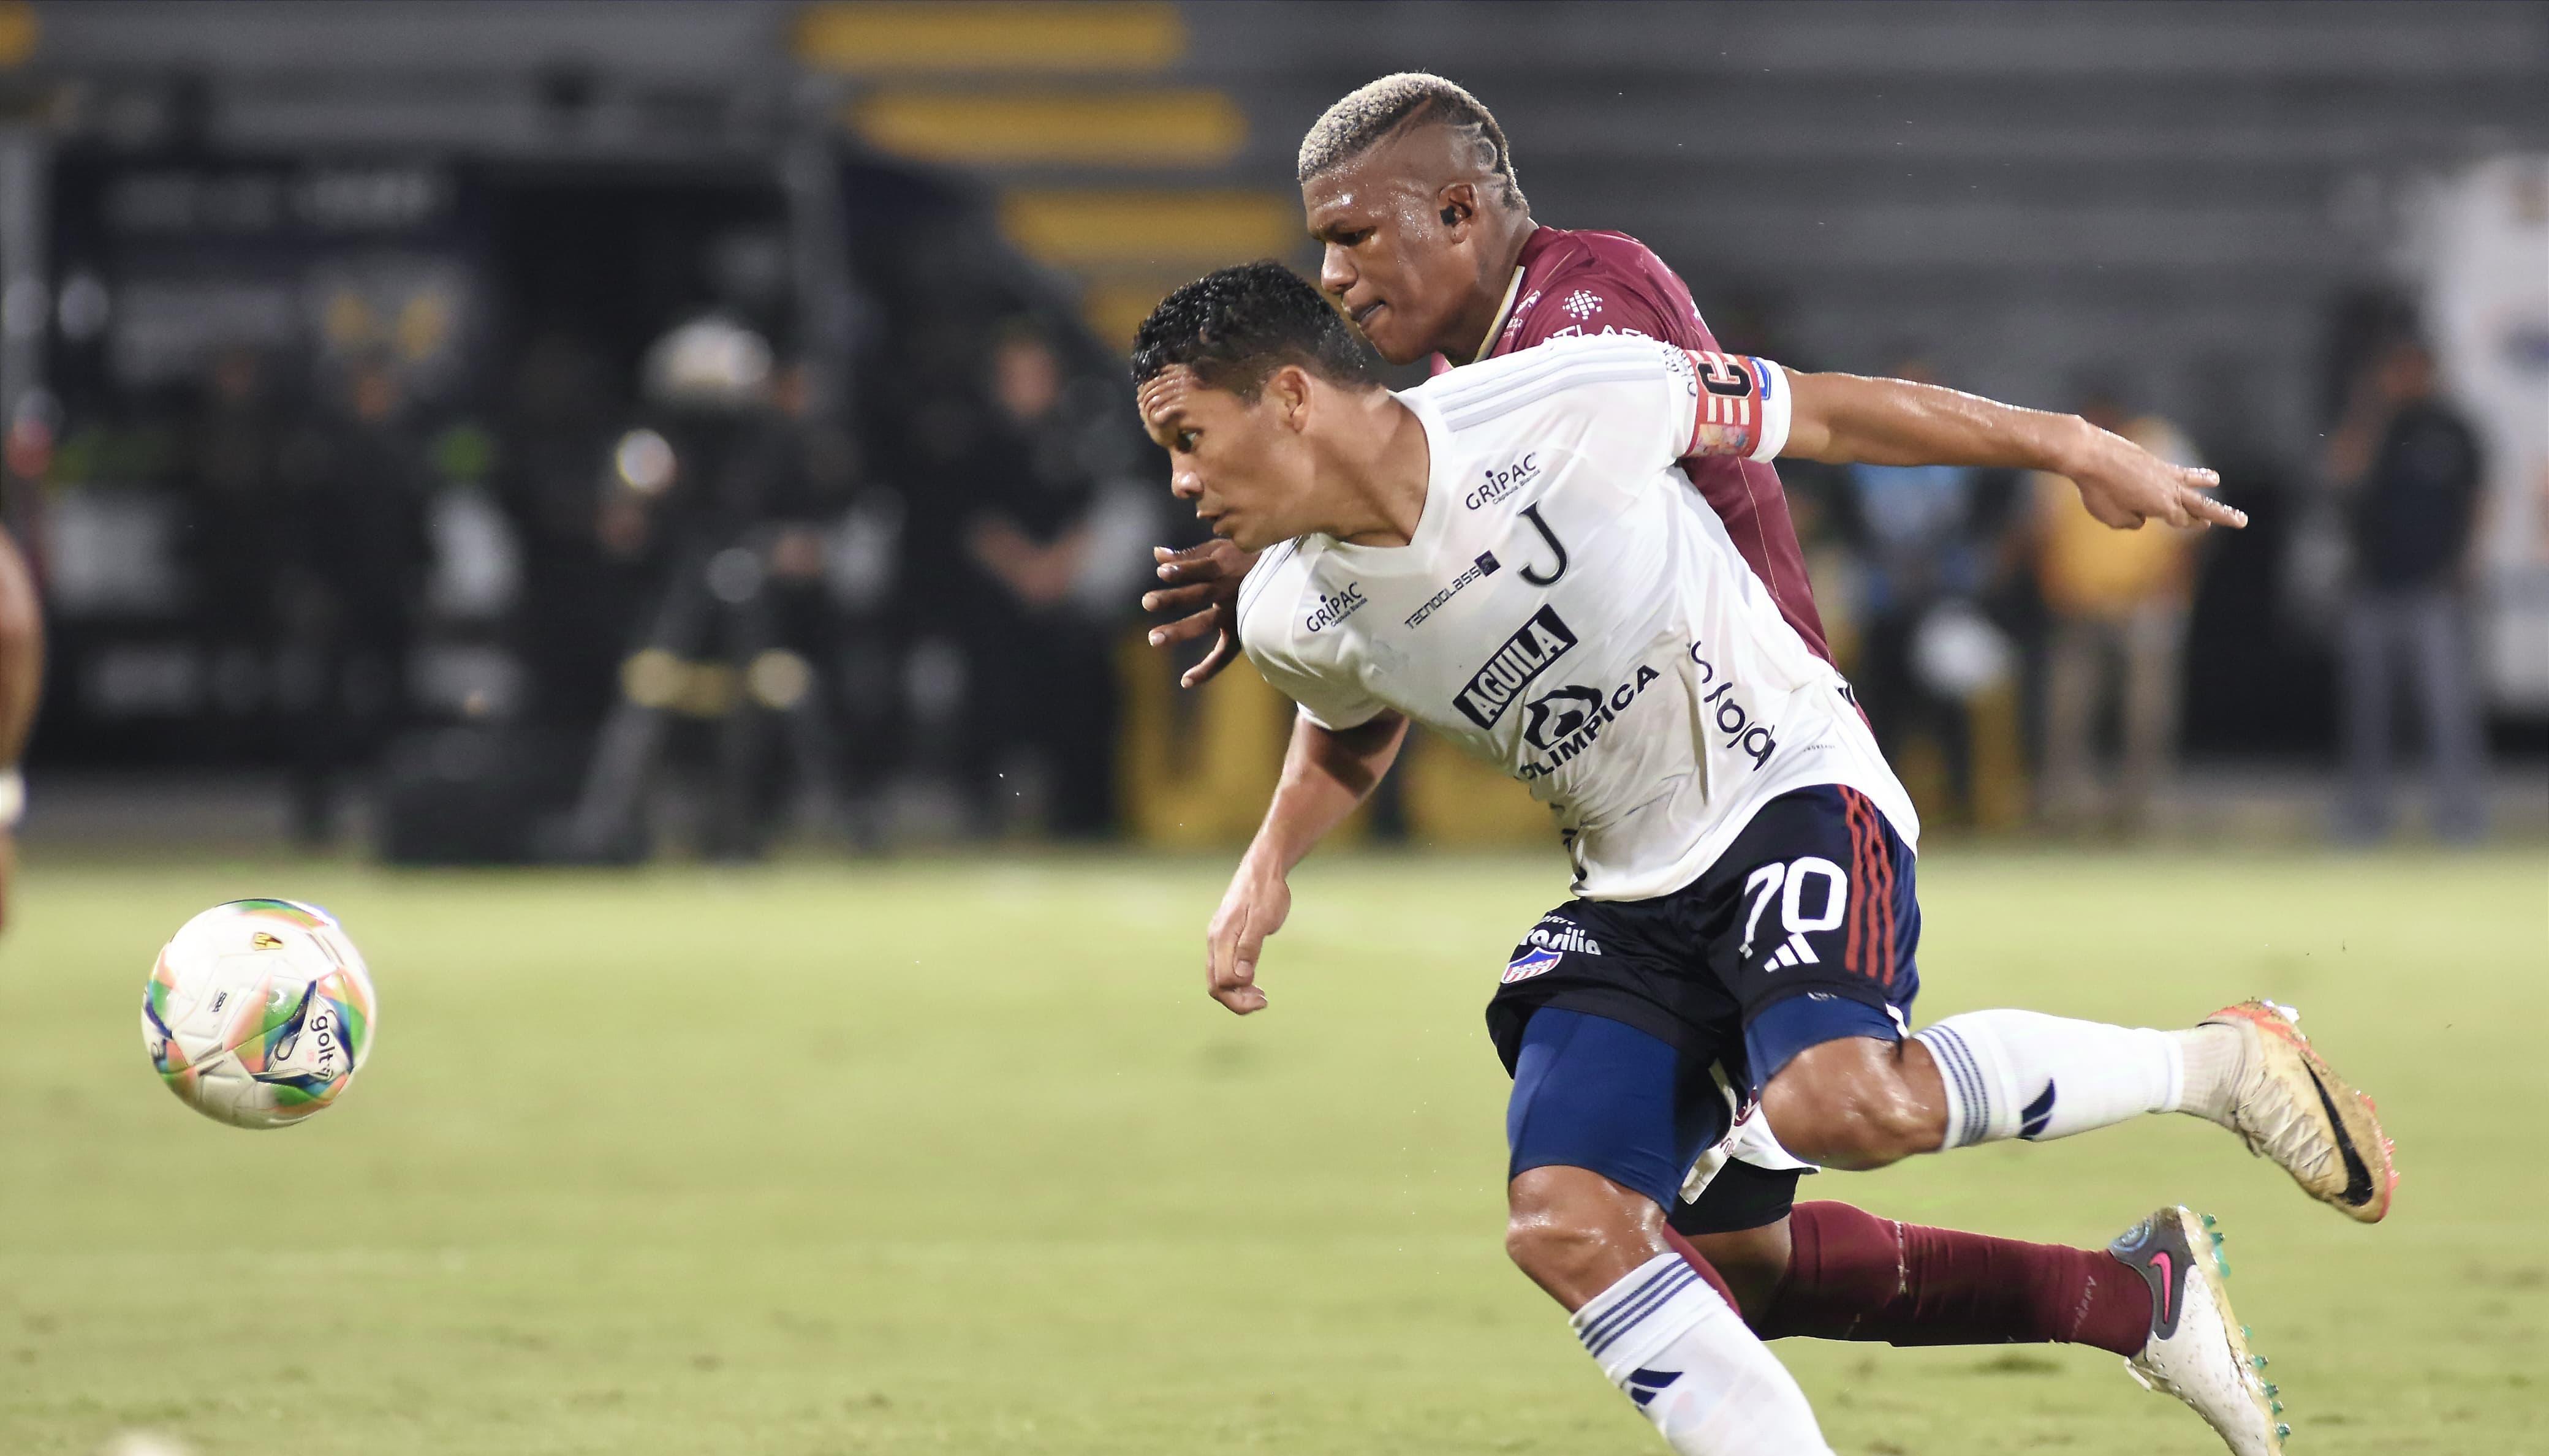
{"points": [[1506, 555]]}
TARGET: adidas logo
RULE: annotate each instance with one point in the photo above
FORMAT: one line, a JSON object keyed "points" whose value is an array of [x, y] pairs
{"points": [[1792, 952], [2036, 1115], [1645, 1385]]}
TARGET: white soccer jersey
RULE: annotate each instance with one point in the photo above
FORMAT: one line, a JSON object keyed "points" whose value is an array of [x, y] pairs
{"points": [[1571, 611]]}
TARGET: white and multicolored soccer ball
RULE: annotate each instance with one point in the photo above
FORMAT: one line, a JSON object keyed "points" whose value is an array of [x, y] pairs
{"points": [[259, 1012]]}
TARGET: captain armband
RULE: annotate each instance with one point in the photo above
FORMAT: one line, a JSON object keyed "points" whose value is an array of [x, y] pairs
{"points": [[1741, 407]]}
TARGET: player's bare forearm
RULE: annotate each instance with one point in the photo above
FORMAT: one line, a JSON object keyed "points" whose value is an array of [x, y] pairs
{"points": [[1846, 418], [1327, 774], [22, 652]]}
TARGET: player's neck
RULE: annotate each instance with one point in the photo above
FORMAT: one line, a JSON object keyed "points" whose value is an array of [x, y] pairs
{"points": [[1376, 473], [1488, 298]]}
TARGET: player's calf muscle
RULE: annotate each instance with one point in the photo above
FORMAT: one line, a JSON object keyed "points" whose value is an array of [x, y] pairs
{"points": [[1859, 1102], [1752, 1263]]}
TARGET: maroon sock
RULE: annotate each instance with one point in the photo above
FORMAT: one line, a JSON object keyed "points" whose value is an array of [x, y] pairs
{"points": [[1852, 1275], [1716, 1281]]}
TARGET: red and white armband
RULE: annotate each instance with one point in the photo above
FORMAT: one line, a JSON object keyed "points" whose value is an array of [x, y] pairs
{"points": [[1741, 406]]}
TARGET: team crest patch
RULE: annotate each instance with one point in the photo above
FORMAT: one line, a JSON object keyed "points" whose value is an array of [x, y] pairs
{"points": [[1530, 963]]}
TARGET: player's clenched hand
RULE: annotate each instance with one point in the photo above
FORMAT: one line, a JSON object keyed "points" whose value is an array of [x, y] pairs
{"points": [[2125, 486], [1253, 909], [1202, 582]]}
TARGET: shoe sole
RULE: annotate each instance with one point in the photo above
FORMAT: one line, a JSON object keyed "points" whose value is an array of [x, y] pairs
{"points": [[2365, 1152]]}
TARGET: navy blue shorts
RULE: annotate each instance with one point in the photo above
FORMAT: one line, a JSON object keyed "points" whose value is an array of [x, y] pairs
{"points": [[1590, 1092], [1803, 932]]}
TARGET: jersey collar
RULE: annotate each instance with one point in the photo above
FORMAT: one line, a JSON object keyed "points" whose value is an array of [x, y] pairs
{"points": [[1504, 310], [1533, 245]]}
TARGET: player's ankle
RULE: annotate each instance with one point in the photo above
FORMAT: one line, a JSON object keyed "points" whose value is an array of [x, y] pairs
{"points": [[2214, 1057]]}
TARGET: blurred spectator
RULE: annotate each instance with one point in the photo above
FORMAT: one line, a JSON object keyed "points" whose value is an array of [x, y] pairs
{"points": [[2118, 600], [706, 393], [2409, 470], [2257, 678], [354, 554], [793, 473], [580, 598], [791, 477], [1044, 705], [1928, 555], [233, 457]]}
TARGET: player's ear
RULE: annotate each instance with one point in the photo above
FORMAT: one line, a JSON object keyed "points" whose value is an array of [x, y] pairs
{"points": [[1298, 396], [1456, 205], [1287, 389]]}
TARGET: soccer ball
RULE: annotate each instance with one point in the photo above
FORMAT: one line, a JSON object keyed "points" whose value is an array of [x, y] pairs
{"points": [[259, 1012]]}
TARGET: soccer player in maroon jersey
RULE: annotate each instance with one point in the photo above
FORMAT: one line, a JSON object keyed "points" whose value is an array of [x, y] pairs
{"points": [[1430, 249]]}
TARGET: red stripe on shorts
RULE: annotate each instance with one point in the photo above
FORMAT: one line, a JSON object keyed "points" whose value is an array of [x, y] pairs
{"points": [[1881, 930], [1885, 911], [1854, 927]]}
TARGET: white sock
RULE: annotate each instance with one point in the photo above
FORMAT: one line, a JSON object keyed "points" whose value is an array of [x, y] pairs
{"points": [[2025, 1074], [2214, 1057], [1701, 1375]]}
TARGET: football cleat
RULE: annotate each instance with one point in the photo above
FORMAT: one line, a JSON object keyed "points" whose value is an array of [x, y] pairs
{"points": [[2198, 1350], [2288, 1104]]}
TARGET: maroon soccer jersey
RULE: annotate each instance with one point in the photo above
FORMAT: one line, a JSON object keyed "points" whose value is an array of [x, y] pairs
{"points": [[1568, 284]]}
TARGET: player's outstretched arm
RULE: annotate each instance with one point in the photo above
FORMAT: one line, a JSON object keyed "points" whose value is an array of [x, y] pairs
{"points": [[1327, 774], [1846, 418]]}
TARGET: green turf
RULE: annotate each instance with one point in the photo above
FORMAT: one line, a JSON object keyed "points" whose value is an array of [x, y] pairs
{"points": [[957, 1158]]}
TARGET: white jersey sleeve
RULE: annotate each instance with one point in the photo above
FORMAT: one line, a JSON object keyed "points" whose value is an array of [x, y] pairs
{"points": [[1320, 699], [1627, 400], [1649, 404], [1279, 646]]}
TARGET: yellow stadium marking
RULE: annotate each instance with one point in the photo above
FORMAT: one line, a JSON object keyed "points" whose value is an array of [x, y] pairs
{"points": [[1132, 130], [20, 30], [887, 37], [1131, 228]]}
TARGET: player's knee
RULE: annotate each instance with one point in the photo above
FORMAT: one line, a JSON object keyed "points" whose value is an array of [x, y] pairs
{"points": [[1558, 1229], [1848, 1105], [1550, 1245]]}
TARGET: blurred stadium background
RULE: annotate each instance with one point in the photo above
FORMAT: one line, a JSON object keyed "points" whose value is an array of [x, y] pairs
{"points": [[398, 392], [600, 433]]}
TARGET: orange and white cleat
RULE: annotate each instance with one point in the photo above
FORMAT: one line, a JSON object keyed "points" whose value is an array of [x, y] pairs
{"points": [[2288, 1104]]}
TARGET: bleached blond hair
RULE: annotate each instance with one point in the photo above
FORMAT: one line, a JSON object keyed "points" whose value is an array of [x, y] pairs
{"points": [[1363, 117]]}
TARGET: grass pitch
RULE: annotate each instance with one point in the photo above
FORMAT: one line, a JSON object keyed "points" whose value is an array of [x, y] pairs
{"points": [[956, 1158]]}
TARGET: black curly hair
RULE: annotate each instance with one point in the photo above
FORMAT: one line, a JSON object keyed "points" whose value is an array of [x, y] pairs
{"points": [[1236, 326]]}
